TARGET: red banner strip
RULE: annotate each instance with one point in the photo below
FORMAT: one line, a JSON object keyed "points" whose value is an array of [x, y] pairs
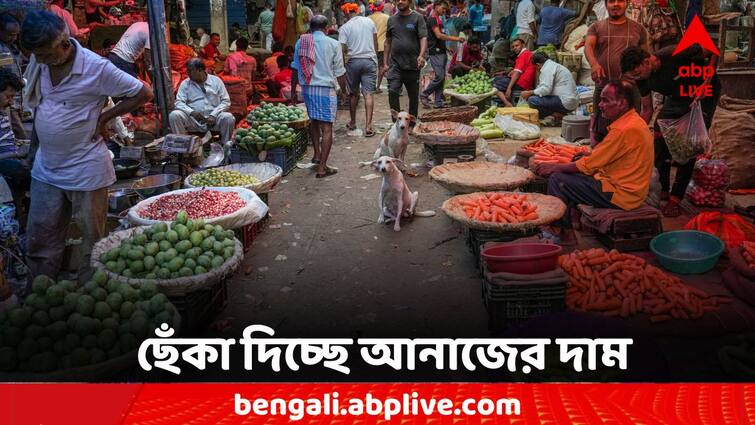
{"points": [[104, 404]]}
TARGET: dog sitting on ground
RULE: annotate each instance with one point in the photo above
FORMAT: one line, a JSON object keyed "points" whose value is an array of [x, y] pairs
{"points": [[396, 200]]}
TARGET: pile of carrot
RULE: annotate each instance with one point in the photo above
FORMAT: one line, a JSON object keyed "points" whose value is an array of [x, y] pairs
{"points": [[500, 208], [748, 252], [616, 284], [551, 153]]}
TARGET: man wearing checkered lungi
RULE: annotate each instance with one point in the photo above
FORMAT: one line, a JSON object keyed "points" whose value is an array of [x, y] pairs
{"points": [[319, 63]]}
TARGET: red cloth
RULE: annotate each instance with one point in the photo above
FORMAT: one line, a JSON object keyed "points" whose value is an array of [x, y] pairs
{"points": [[210, 52], [307, 56], [524, 64], [731, 228], [467, 57], [283, 76], [279, 20]]}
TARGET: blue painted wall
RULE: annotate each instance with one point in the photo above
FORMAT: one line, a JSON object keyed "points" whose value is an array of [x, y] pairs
{"points": [[198, 13]]}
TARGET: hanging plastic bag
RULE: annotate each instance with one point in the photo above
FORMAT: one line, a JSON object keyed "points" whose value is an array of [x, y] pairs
{"points": [[731, 228], [687, 136]]}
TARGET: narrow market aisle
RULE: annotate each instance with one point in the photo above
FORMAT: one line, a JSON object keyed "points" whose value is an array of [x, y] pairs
{"points": [[330, 270]]}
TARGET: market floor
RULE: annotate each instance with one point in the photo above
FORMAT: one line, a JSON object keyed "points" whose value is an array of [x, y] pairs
{"points": [[323, 267]]}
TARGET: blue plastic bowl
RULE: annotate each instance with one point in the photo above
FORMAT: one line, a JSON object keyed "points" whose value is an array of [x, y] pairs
{"points": [[687, 251]]}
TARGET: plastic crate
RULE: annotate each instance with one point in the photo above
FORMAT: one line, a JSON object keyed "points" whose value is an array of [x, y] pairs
{"points": [[247, 235], [538, 185], [509, 304], [301, 140], [199, 308], [282, 157], [440, 153]]}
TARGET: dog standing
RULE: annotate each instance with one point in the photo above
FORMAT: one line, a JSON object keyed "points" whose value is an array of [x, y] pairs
{"points": [[395, 141], [395, 199]]}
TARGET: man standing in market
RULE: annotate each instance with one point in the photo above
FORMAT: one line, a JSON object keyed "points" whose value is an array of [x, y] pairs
{"points": [[526, 25], [405, 45], [605, 41], [617, 172], [358, 36], [201, 103], [265, 22], [659, 73], [552, 22], [72, 168], [318, 61], [380, 19], [436, 45]]}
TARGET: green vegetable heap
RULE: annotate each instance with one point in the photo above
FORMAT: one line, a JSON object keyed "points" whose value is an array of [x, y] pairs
{"points": [[61, 326], [188, 248], [262, 137], [270, 112], [475, 82], [216, 177]]}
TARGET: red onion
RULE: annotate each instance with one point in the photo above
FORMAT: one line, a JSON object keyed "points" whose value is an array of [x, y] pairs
{"points": [[203, 203]]}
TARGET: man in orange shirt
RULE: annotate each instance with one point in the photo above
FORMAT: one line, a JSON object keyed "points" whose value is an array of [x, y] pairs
{"points": [[271, 63], [617, 172]]}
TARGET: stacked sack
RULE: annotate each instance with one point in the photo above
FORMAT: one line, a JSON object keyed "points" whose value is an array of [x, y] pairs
{"points": [[709, 182]]}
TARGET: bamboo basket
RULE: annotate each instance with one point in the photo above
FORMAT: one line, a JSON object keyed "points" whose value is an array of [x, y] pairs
{"points": [[170, 287], [463, 114], [267, 173], [462, 133], [549, 209], [480, 176]]}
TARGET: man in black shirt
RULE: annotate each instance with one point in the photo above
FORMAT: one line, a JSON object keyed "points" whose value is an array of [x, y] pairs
{"points": [[436, 45], [405, 44], [660, 73]]}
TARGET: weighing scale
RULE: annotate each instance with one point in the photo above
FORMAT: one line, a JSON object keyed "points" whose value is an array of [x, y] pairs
{"points": [[178, 145]]}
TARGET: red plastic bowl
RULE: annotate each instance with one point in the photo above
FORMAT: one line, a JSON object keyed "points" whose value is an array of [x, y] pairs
{"points": [[522, 258]]}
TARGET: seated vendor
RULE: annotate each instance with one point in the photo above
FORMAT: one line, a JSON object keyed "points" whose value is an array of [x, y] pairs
{"points": [[616, 174], [239, 62], [211, 52], [556, 91], [471, 58], [12, 168], [521, 78], [271, 64], [201, 103]]}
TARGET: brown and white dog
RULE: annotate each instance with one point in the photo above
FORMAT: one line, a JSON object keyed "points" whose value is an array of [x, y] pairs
{"points": [[396, 200], [395, 141]]}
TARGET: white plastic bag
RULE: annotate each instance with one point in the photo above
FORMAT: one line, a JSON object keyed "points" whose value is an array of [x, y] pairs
{"points": [[687, 136], [516, 129], [254, 210]]}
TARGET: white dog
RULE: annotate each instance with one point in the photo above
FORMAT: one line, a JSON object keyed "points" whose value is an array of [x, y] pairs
{"points": [[395, 141], [396, 200]]}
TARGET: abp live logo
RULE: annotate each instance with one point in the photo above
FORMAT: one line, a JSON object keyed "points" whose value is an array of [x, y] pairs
{"points": [[696, 34]]}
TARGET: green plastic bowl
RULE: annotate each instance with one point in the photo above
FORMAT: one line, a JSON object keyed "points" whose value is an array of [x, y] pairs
{"points": [[687, 251]]}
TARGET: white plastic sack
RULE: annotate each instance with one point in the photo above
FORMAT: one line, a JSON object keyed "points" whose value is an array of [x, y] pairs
{"points": [[469, 99], [253, 212], [516, 129]]}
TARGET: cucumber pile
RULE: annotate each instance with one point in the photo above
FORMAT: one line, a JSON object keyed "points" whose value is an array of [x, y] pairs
{"points": [[484, 123]]}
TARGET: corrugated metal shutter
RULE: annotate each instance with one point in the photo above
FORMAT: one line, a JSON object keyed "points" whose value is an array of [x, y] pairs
{"points": [[198, 13]]}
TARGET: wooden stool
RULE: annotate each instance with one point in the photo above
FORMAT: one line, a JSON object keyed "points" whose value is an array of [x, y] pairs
{"points": [[627, 233]]}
